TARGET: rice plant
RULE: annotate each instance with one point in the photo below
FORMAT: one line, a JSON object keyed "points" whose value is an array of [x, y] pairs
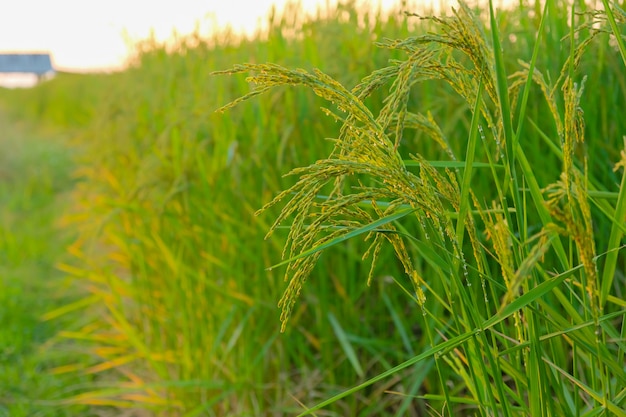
{"points": [[500, 241], [473, 178], [172, 258]]}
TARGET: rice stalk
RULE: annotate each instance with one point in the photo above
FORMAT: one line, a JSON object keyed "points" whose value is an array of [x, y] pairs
{"points": [[366, 183]]}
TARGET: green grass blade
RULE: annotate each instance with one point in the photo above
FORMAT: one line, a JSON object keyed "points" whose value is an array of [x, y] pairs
{"points": [[615, 29], [400, 325], [531, 69], [615, 410], [452, 164], [503, 90], [469, 165], [600, 196], [527, 298], [524, 300], [537, 196], [610, 265], [71, 307], [615, 237], [346, 345], [444, 346]]}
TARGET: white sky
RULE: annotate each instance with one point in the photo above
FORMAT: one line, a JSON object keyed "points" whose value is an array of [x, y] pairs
{"points": [[89, 35], [84, 35]]}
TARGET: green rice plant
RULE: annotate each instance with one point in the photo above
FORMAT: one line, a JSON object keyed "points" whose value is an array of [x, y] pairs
{"points": [[525, 317], [173, 258], [66, 102], [452, 166]]}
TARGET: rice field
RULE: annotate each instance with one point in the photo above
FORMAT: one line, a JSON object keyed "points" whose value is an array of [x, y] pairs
{"points": [[448, 239]]}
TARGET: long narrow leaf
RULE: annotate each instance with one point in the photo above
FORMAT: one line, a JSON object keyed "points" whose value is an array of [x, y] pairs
{"points": [[505, 313], [346, 345], [451, 164], [444, 346], [469, 165], [356, 232]]}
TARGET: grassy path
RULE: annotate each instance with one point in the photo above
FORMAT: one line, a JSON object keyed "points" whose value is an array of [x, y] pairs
{"points": [[34, 175]]}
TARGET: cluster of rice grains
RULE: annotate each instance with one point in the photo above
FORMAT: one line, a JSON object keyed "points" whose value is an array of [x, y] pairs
{"points": [[526, 234]]}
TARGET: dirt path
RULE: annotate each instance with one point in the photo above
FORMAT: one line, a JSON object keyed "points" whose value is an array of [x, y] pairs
{"points": [[34, 172]]}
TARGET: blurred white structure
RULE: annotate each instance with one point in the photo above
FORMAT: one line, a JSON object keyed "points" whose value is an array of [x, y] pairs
{"points": [[24, 69]]}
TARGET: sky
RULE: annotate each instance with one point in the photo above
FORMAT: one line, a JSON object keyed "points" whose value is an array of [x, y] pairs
{"points": [[87, 35]]}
